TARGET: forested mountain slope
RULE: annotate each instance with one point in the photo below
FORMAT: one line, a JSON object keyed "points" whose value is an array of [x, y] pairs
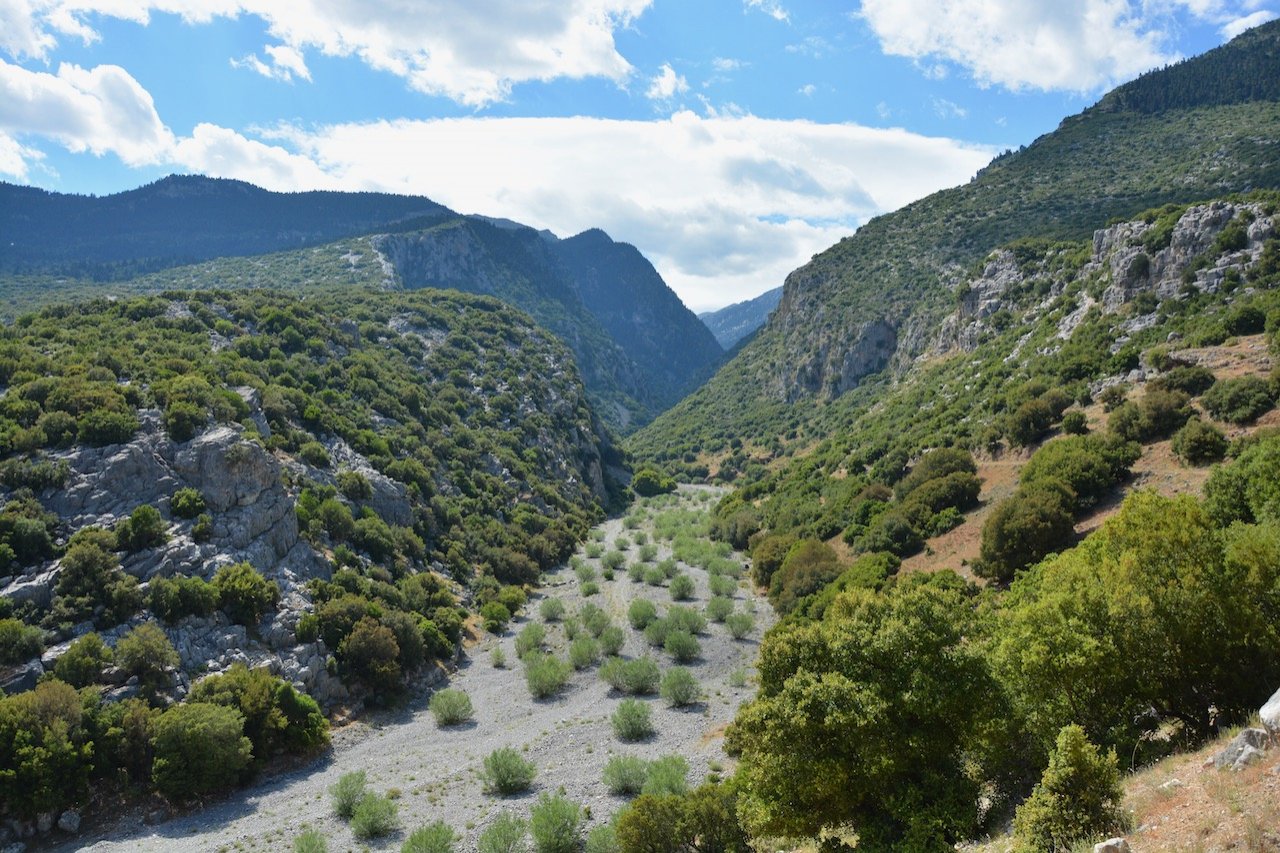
{"points": [[870, 302]]}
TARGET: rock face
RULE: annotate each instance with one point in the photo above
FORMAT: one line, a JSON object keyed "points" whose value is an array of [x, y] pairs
{"points": [[1244, 749], [1112, 845], [1270, 712]]}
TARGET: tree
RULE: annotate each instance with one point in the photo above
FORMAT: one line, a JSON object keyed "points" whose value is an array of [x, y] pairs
{"points": [[648, 482], [370, 653], [147, 653], [1022, 530], [1078, 798], [1199, 443], [825, 744], [144, 528], [244, 593], [199, 748]]}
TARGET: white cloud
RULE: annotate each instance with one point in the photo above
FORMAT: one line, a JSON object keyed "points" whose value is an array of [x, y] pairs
{"points": [[472, 51], [15, 158], [666, 85], [102, 110], [1236, 26], [725, 65], [285, 63], [949, 109], [807, 90], [773, 8], [1080, 46]]}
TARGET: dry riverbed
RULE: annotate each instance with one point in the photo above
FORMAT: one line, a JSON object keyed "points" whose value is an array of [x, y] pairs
{"points": [[434, 771]]}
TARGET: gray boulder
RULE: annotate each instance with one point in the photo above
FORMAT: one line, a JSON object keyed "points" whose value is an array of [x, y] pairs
{"points": [[1270, 712], [21, 678], [1112, 845], [1244, 749]]}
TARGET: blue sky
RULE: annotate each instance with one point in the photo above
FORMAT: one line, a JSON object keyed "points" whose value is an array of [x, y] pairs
{"points": [[728, 139]]}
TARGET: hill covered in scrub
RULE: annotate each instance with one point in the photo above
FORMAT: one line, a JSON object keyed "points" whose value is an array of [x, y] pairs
{"points": [[194, 483], [869, 303], [638, 348]]}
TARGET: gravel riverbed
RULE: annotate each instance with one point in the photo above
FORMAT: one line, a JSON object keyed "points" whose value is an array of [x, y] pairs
{"points": [[569, 738]]}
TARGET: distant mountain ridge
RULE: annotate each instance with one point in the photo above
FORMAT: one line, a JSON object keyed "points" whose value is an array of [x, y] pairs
{"points": [[735, 322], [638, 347]]}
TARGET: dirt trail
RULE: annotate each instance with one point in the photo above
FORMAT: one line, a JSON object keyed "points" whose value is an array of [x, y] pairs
{"points": [[568, 738]]}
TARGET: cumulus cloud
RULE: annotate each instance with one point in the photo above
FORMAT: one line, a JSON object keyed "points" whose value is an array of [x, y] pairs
{"points": [[15, 158], [472, 51], [283, 63], [773, 8], [1046, 44], [102, 110], [666, 85]]}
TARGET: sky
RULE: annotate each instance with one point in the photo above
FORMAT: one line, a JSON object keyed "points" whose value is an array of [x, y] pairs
{"points": [[729, 140]]}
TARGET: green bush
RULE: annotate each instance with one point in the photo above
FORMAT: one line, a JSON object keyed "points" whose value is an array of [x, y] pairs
{"points": [[347, 793], [495, 617], [84, 660], [556, 825], [641, 612], [612, 640], [584, 652], [370, 654], [314, 454], [594, 619], [681, 588], [632, 720], [199, 748], [436, 837], [637, 572], [545, 675], [144, 528], [682, 646], [450, 706], [613, 560], [679, 687], [719, 608], [310, 841], [723, 586], [1075, 422], [186, 503], [1021, 531], [637, 677], [1200, 443], [19, 643], [585, 573], [244, 594], [276, 717], [505, 835], [739, 624], [1239, 401], [601, 839], [376, 815], [624, 775], [506, 772], [530, 639], [589, 589], [147, 653], [551, 610], [1192, 380], [175, 598], [682, 618], [648, 483], [1078, 799], [101, 427], [667, 776]]}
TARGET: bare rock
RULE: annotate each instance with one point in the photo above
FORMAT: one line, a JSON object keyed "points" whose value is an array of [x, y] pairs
{"points": [[1112, 845], [21, 678], [229, 471], [69, 821], [1270, 712], [1244, 749]]}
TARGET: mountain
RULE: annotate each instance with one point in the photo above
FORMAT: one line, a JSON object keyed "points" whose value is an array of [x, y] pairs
{"points": [[181, 219], [870, 302], [735, 322], [640, 350]]}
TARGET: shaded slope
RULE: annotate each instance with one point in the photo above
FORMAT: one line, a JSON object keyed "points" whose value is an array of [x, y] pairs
{"points": [[735, 322]]}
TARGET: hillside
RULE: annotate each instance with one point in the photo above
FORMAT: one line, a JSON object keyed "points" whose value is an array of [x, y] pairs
{"points": [[735, 322], [869, 303]]}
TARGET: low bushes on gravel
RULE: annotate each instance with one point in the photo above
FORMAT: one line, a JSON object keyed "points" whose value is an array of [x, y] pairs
{"points": [[632, 721], [376, 815], [450, 707], [346, 793], [556, 824], [637, 676], [679, 687], [506, 771], [435, 837], [545, 675], [624, 775], [641, 612], [505, 835]]}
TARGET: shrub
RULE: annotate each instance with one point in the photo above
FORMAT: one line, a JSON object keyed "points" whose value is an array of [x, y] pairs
{"points": [[613, 560], [199, 748], [679, 687], [551, 610], [654, 576], [612, 640], [186, 503], [495, 617], [275, 715], [723, 586], [435, 837], [602, 839], [632, 720], [648, 553], [594, 619], [1078, 798], [175, 598], [506, 771], [371, 654], [347, 792], [655, 634], [641, 612], [648, 483], [144, 528], [530, 639], [584, 652], [1075, 422], [450, 706], [636, 572], [719, 608], [147, 653], [585, 573], [310, 841], [1021, 531], [667, 777], [100, 427], [1192, 380], [686, 619], [1238, 401], [1029, 422], [314, 454], [556, 825], [244, 594], [682, 646], [83, 661], [505, 835], [589, 589], [739, 624], [498, 658], [376, 815], [624, 775], [639, 676], [769, 553], [1199, 443], [545, 675], [681, 588], [19, 643]]}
